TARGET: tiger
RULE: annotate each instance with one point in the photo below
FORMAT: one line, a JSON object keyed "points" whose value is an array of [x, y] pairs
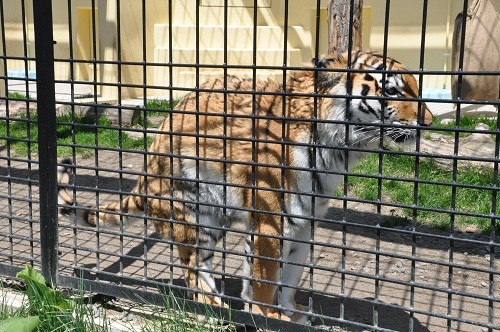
{"points": [[266, 154]]}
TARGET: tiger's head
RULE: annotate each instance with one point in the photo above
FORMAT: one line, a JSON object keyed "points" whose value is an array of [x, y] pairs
{"points": [[384, 95]]}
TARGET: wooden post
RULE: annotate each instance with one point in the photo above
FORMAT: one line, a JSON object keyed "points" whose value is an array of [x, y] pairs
{"points": [[341, 26]]}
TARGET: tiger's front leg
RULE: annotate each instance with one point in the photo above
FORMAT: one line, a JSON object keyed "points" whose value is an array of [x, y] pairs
{"points": [[201, 281], [295, 253], [265, 272], [197, 254]]}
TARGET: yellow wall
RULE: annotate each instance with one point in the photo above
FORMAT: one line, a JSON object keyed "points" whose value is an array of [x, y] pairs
{"points": [[82, 25], [14, 31], [134, 39], [405, 34], [403, 41]]}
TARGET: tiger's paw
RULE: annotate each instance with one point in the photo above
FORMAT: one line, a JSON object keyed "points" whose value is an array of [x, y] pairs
{"points": [[296, 317], [209, 299], [269, 312]]}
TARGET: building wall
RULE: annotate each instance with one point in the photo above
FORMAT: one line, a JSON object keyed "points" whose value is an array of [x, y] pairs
{"points": [[81, 44], [151, 43], [19, 36], [405, 34]]}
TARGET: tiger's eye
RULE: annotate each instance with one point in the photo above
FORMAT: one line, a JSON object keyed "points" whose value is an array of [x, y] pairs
{"points": [[392, 91]]}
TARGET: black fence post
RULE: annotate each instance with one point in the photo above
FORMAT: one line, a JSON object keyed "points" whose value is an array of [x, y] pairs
{"points": [[47, 140]]}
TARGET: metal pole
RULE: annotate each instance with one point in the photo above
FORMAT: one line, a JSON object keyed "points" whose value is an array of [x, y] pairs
{"points": [[46, 106]]}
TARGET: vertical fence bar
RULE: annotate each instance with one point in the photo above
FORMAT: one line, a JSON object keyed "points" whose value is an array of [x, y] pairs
{"points": [[412, 320], [46, 106], [7, 130]]}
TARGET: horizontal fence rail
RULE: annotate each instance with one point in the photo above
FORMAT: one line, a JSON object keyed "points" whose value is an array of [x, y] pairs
{"points": [[236, 136]]}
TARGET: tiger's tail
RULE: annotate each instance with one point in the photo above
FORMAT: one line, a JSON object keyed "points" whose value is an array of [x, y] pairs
{"points": [[106, 215]]}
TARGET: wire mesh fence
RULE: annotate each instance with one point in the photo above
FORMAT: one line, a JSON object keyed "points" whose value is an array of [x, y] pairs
{"points": [[254, 177]]}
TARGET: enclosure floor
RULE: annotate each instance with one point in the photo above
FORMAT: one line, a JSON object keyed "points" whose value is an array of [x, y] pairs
{"points": [[342, 280]]}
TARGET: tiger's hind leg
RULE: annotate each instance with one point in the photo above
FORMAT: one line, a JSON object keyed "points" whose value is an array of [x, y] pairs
{"points": [[265, 272]]}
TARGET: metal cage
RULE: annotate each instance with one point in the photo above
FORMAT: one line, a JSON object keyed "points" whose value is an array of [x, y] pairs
{"points": [[102, 72]]}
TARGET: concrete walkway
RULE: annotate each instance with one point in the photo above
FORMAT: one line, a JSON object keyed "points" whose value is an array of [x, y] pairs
{"points": [[63, 90]]}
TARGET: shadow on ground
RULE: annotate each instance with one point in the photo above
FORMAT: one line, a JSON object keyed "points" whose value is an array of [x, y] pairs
{"points": [[355, 310]]}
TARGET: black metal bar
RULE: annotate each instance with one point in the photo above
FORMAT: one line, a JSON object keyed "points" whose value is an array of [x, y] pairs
{"points": [[253, 180], [224, 148], [455, 165], [47, 139], [72, 105], [28, 115], [493, 233], [7, 128], [171, 139], [412, 320]]}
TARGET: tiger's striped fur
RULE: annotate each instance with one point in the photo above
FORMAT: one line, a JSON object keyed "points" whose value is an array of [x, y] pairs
{"points": [[251, 157]]}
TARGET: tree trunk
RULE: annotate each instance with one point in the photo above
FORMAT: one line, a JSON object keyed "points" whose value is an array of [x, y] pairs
{"points": [[341, 26]]}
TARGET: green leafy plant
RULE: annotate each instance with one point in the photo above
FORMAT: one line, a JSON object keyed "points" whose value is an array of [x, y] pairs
{"points": [[55, 311], [39, 294], [52, 308], [20, 324], [48, 310]]}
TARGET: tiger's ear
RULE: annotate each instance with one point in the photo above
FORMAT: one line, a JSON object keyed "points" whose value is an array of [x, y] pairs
{"points": [[321, 63], [326, 78]]}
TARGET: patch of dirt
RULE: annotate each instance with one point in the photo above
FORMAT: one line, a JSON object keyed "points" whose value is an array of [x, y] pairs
{"points": [[16, 108]]}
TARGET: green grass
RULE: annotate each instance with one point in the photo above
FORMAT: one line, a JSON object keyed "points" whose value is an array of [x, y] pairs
{"points": [[6, 311], [175, 316], [23, 135], [158, 106], [49, 310], [434, 196], [17, 95], [84, 96], [466, 122]]}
